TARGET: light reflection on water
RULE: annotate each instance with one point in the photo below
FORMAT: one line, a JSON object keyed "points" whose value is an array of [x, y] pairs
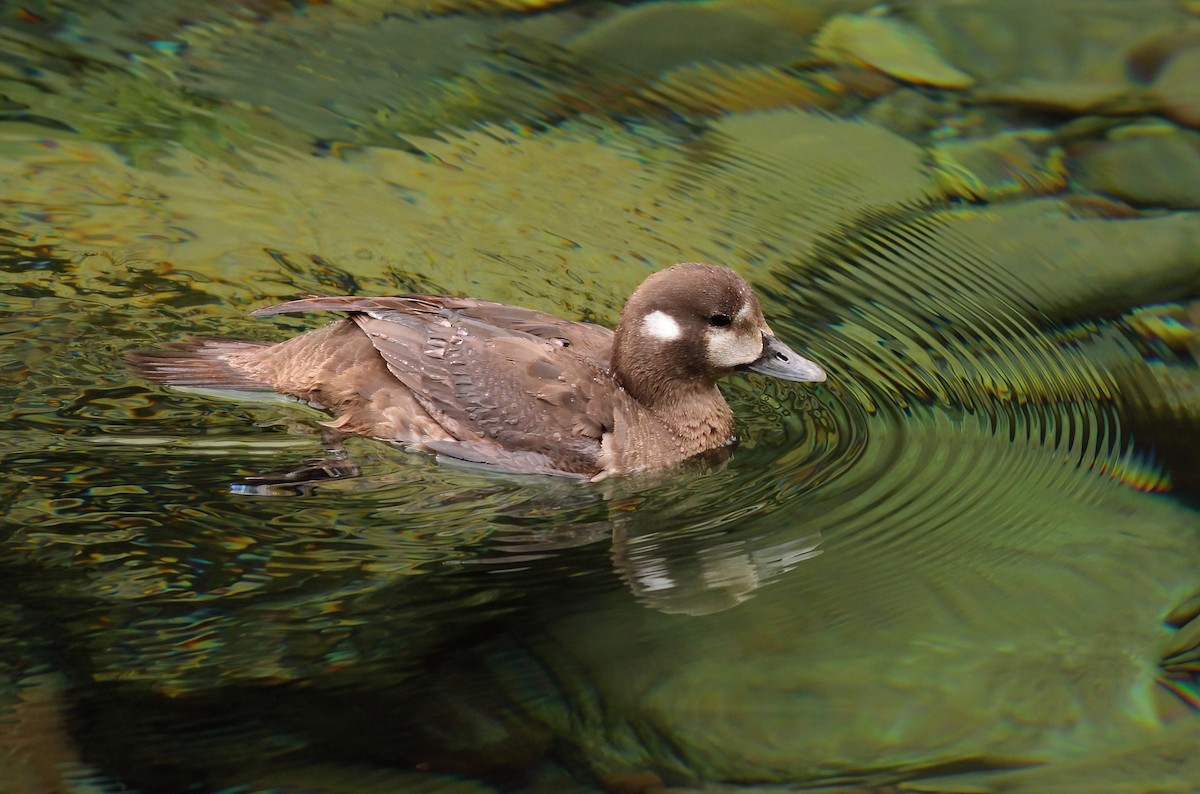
{"points": [[953, 558]]}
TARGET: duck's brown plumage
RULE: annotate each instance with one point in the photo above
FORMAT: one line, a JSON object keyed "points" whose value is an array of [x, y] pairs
{"points": [[498, 384]]}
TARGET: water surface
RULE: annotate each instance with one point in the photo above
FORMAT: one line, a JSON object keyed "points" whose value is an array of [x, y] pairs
{"points": [[968, 562]]}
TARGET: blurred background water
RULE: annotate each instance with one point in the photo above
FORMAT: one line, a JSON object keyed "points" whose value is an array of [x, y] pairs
{"points": [[970, 562]]}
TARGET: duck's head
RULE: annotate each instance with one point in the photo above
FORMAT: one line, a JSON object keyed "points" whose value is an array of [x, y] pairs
{"points": [[691, 324]]}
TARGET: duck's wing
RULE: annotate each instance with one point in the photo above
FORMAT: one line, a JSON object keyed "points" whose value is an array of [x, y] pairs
{"points": [[588, 340], [509, 400], [508, 396]]}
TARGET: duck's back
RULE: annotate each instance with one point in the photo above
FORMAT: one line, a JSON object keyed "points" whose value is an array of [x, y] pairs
{"points": [[474, 380]]}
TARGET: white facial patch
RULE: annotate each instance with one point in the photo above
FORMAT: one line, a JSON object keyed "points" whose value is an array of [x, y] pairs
{"points": [[727, 348], [662, 326]]}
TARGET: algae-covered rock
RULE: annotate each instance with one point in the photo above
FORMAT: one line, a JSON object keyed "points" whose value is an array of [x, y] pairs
{"points": [[716, 90], [1169, 330], [487, 6], [361, 72], [1150, 165], [1001, 166], [1071, 54], [1178, 88], [1161, 392], [778, 181], [793, 176], [910, 112], [913, 286], [1037, 254], [298, 68], [890, 45], [221, 218], [143, 117], [653, 37], [1162, 761], [1071, 96], [542, 92]]}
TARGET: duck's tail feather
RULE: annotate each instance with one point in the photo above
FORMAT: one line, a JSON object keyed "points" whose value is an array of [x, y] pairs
{"points": [[202, 363]]}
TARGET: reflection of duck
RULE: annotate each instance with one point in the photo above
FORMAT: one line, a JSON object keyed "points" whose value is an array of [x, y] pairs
{"points": [[512, 387], [698, 576]]}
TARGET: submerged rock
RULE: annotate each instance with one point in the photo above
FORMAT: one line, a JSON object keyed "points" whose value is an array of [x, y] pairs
{"points": [[1069, 55], [718, 89], [999, 167], [909, 620], [651, 38], [1162, 392], [486, 6], [1072, 96], [890, 45], [1178, 87], [792, 176], [1149, 165], [910, 112], [1063, 267]]}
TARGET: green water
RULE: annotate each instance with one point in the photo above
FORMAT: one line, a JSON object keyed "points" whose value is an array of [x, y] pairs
{"points": [[970, 562]]}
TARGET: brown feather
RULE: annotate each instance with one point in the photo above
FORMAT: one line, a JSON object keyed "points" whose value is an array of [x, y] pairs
{"points": [[199, 363]]}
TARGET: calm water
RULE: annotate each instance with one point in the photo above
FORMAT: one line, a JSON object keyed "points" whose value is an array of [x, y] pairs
{"points": [[970, 562]]}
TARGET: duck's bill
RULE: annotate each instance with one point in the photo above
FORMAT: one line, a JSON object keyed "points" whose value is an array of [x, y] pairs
{"points": [[780, 361]]}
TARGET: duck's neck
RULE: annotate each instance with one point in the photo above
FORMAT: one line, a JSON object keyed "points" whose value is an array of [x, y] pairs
{"points": [[701, 419], [687, 402], [696, 413]]}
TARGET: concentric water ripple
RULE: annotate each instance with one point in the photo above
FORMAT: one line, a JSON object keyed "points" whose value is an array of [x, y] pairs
{"points": [[935, 340]]}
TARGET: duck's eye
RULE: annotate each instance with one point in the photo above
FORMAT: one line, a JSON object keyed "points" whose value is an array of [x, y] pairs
{"points": [[719, 320]]}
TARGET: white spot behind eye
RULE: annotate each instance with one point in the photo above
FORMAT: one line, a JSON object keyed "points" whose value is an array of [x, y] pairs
{"points": [[661, 325]]}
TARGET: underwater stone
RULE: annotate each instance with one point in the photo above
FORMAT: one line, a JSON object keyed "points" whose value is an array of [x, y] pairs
{"points": [[801, 174], [890, 45], [1002, 166], [651, 38], [1152, 165], [1070, 268], [1148, 58], [1161, 395], [1074, 96], [1178, 87], [910, 112], [1069, 54], [720, 89], [484, 6]]}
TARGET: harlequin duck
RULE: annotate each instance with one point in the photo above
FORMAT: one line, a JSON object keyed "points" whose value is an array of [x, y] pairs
{"points": [[510, 387]]}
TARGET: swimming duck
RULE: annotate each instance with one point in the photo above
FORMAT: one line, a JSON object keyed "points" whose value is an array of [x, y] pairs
{"points": [[511, 387]]}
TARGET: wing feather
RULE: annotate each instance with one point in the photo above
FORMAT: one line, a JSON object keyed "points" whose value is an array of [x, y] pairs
{"points": [[590, 341], [519, 393], [513, 387]]}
